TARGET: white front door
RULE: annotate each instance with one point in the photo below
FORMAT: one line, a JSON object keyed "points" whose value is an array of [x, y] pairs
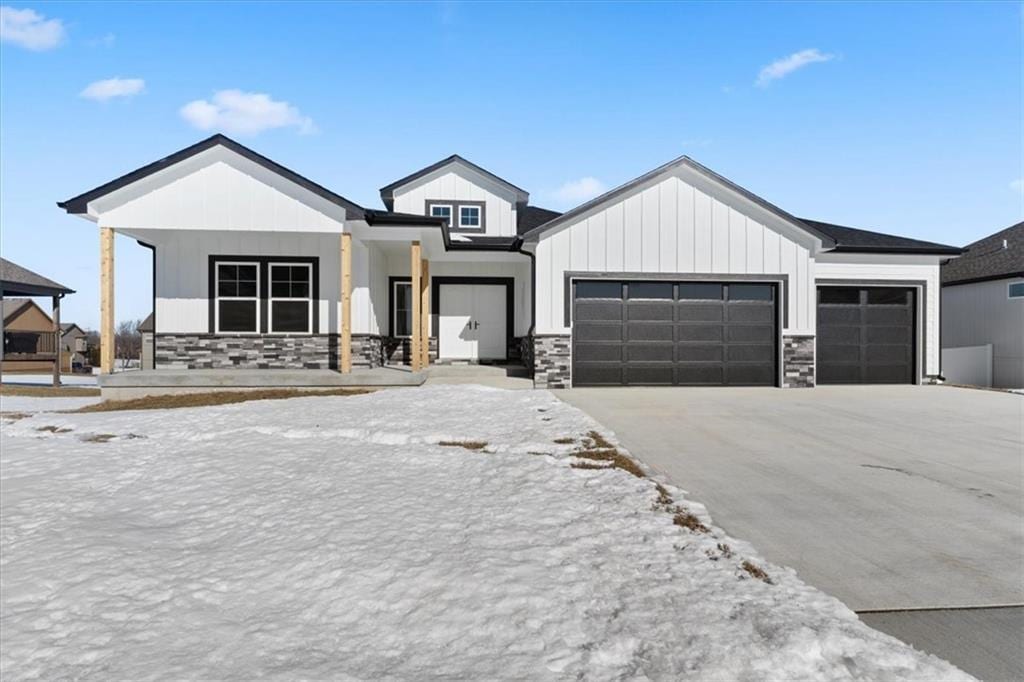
{"points": [[472, 322]]}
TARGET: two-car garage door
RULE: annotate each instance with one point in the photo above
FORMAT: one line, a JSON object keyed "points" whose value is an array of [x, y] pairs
{"points": [[674, 333]]}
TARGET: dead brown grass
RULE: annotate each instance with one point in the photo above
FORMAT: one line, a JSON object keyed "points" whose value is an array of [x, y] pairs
{"points": [[49, 391], [467, 444], [756, 571], [589, 465], [49, 428], [598, 441], [170, 402], [14, 416], [598, 449], [686, 519], [565, 441], [99, 438]]}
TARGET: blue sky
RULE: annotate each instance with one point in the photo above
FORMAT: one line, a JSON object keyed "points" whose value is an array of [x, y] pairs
{"points": [[903, 118]]}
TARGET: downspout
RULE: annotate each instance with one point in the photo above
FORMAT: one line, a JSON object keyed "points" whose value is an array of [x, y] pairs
{"points": [[533, 295], [152, 248]]}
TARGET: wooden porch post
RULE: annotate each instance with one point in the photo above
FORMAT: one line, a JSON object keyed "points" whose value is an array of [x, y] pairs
{"points": [[106, 300], [416, 349], [424, 320], [57, 340], [345, 338]]}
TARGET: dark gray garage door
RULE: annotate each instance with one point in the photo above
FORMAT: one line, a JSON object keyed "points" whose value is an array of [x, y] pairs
{"points": [[673, 333], [865, 335]]}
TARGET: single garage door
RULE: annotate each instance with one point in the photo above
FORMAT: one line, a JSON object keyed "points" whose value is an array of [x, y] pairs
{"points": [[674, 333], [865, 335]]}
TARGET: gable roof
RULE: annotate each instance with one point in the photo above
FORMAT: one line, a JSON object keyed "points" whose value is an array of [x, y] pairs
{"points": [[534, 233], [80, 203], [14, 307], [997, 256], [147, 324], [20, 281], [66, 327], [387, 193], [855, 240]]}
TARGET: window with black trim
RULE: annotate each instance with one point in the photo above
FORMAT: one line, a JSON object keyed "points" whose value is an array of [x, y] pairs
{"points": [[401, 323], [1015, 290], [469, 216], [291, 298], [237, 307]]}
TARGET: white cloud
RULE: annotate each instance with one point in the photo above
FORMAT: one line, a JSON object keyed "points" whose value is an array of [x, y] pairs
{"points": [[1018, 185], [781, 68], [107, 40], [244, 113], [578, 191], [30, 29], [113, 87]]}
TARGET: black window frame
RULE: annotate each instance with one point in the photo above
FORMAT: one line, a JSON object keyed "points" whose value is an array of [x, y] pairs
{"points": [[217, 297], [393, 319], [271, 298], [263, 312]]}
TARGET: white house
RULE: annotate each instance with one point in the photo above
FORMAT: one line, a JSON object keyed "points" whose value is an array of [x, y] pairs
{"points": [[983, 312], [678, 277]]}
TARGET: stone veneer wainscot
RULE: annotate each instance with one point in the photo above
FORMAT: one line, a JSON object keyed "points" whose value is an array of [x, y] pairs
{"points": [[552, 361], [797, 361]]}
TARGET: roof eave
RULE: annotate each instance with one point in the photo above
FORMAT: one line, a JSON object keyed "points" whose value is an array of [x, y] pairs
{"points": [[951, 251]]}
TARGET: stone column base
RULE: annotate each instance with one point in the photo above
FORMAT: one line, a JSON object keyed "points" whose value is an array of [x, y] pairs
{"points": [[552, 361], [797, 361]]}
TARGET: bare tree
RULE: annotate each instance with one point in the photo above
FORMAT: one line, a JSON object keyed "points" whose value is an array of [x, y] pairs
{"points": [[128, 342]]}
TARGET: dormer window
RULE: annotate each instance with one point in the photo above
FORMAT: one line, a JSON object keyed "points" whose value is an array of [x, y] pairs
{"points": [[469, 217], [441, 211]]}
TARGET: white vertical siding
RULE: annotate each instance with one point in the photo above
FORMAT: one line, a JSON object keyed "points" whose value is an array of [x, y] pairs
{"points": [[453, 185], [883, 267], [671, 227]]}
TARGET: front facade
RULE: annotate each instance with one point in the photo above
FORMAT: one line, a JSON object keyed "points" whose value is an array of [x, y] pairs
{"points": [[677, 278], [983, 312]]}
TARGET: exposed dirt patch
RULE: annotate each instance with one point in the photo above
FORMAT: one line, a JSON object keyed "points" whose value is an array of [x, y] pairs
{"points": [[49, 428], [49, 391], [467, 444], [170, 402], [756, 571]]}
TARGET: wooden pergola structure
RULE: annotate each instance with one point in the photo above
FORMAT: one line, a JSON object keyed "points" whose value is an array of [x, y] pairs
{"points": [[18, 281]]}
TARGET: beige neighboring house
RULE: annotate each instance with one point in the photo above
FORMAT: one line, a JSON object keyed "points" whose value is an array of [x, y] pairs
{"points": [[28, 337], [983, 312], [146, 328]]}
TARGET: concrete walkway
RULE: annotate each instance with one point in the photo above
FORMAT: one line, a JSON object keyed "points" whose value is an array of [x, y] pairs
{"points": [[888, 497]]}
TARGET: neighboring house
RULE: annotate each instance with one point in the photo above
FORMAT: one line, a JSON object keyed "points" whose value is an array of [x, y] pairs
{"points": [[983, 312], [146, 329], [677, 277], [75, 346], [29, 341]]}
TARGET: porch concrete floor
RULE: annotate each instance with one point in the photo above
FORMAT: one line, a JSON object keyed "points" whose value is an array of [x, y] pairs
{"points": [[496, 376]]}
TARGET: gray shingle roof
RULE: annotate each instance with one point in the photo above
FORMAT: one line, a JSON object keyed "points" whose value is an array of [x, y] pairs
{"points": [[13, 305], [529, 217], [988, 258], [858, 240], [23, 282]]}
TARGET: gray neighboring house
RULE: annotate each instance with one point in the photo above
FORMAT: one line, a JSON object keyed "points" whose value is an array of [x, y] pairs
{"points": [[983, 312], [75, 344]]}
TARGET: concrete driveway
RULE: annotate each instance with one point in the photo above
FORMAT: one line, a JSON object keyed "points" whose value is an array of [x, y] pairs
{"points": [[887, 497]]}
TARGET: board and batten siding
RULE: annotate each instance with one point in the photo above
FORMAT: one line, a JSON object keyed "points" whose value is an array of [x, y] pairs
{"points": [[227, 194], [982, 313], [182, 275], [499, 211], [870, 268], [671, 227]]}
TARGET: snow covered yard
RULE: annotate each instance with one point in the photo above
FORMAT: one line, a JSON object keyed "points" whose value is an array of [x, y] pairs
{"points": [[335, 537]]}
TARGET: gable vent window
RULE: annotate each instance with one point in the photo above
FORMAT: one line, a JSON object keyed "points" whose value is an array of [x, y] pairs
{"points": [[1016, 290], [291, 302], [441, 211], [238, 298], [469, 216]]}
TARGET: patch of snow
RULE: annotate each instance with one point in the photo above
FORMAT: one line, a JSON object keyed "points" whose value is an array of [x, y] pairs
{"points": [[20, 403], [47, 379], [333, 537]]}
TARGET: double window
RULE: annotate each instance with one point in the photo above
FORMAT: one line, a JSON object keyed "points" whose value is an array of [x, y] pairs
{"points": [[264, 295], [461, 215]]}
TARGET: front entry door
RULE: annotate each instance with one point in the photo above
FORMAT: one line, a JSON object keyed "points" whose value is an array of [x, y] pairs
{"points": [[472, 322]]}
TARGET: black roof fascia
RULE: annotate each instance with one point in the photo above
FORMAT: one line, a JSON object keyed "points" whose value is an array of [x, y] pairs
{"points": [[79, 204]]}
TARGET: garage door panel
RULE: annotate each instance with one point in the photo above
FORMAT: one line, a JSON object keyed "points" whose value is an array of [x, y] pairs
{"points": [[597, 375], [599, 352], [649, 311], [650, 352], [751, 313], [868, 339], [750, 333], [750, 353], [637, 331], [699, 312], [700, 353], [599, 310], [670, 333], [887, 316], [650, 374], [598, 332], [700, 332], [838, 315], [711, 374], [751, 375]]}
